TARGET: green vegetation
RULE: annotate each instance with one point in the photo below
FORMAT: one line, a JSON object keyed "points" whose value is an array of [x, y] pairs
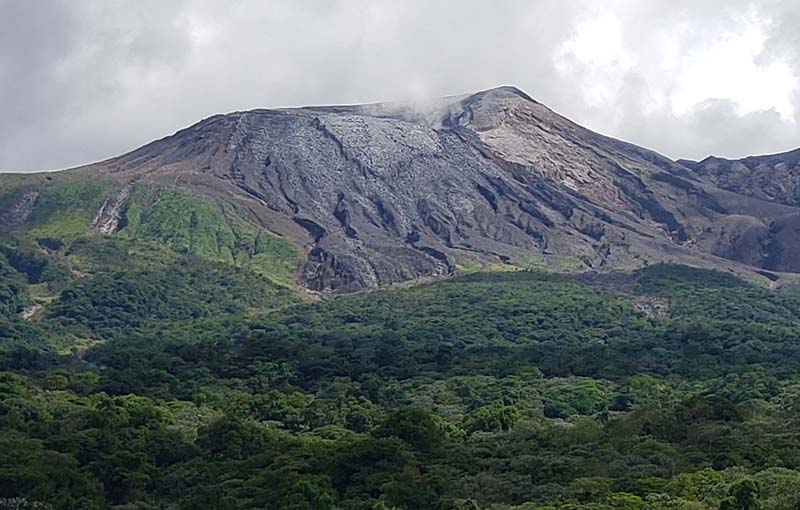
{"points": [[67, 209], [196, 384], [13, 289], [537, 262], [91, 289], [474, 266], [185, 224], [63, 211], [553, 263], [191, 225], [12, 187], [570, 264]]}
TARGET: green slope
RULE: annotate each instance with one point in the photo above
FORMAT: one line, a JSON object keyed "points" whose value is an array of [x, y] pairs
{"points": [[186, 223], [189, 224], [177, 258]]}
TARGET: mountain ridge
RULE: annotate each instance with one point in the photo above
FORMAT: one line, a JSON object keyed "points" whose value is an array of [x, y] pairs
{"points": [[774, 177], [388, 192]]}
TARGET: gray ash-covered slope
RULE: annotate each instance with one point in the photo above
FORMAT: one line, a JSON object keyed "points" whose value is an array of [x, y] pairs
{"points": [[769, 241], [774, 177], [385, 193]]}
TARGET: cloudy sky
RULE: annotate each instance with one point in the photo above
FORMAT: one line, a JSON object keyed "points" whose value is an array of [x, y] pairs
{"points": [[82, 80]]}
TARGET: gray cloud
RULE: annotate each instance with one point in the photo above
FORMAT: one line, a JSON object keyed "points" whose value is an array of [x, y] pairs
{"points": [[83, 80]]}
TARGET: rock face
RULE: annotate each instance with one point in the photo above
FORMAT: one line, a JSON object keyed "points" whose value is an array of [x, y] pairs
{"points": [[108, 217], [380, 194], [783, 245], [774, 245], [20, 210], [737, 237], [774, 177]]}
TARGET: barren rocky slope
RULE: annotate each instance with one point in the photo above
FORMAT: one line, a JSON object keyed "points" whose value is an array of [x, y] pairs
{"points": [[774, 177], [385, 193]]}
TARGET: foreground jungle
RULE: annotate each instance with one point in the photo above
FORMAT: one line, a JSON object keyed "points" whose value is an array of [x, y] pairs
{"points": [[175, 366]]}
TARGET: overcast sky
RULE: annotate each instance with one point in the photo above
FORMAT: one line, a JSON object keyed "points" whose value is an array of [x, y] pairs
{"points": [[83, 80]]}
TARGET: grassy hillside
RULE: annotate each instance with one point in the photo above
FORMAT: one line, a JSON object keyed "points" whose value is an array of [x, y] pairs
{"points": [[63, 211], [188, 224], [519, 390], [66, 209]]}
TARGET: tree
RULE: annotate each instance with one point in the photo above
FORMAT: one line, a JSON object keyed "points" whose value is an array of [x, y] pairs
{"points": [[491, 419], [463, 504], [414, 426], [230, 437], [743, 495]]}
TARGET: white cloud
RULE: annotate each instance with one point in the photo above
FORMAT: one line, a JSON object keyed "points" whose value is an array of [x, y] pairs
{"points": [[597, 41], [596, 52], [82, 80], [729, 68]]}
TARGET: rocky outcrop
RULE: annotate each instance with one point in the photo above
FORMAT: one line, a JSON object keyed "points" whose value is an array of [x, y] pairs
{"points": [[782, 248], [108, 217], [20, 210], [774, 177], [737, 237]]}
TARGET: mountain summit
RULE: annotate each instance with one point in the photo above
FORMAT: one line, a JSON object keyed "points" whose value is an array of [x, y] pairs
{"points": [[383, 193]]}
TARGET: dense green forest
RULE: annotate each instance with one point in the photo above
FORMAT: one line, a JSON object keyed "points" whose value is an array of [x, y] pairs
{"points": [[147, 370]]}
